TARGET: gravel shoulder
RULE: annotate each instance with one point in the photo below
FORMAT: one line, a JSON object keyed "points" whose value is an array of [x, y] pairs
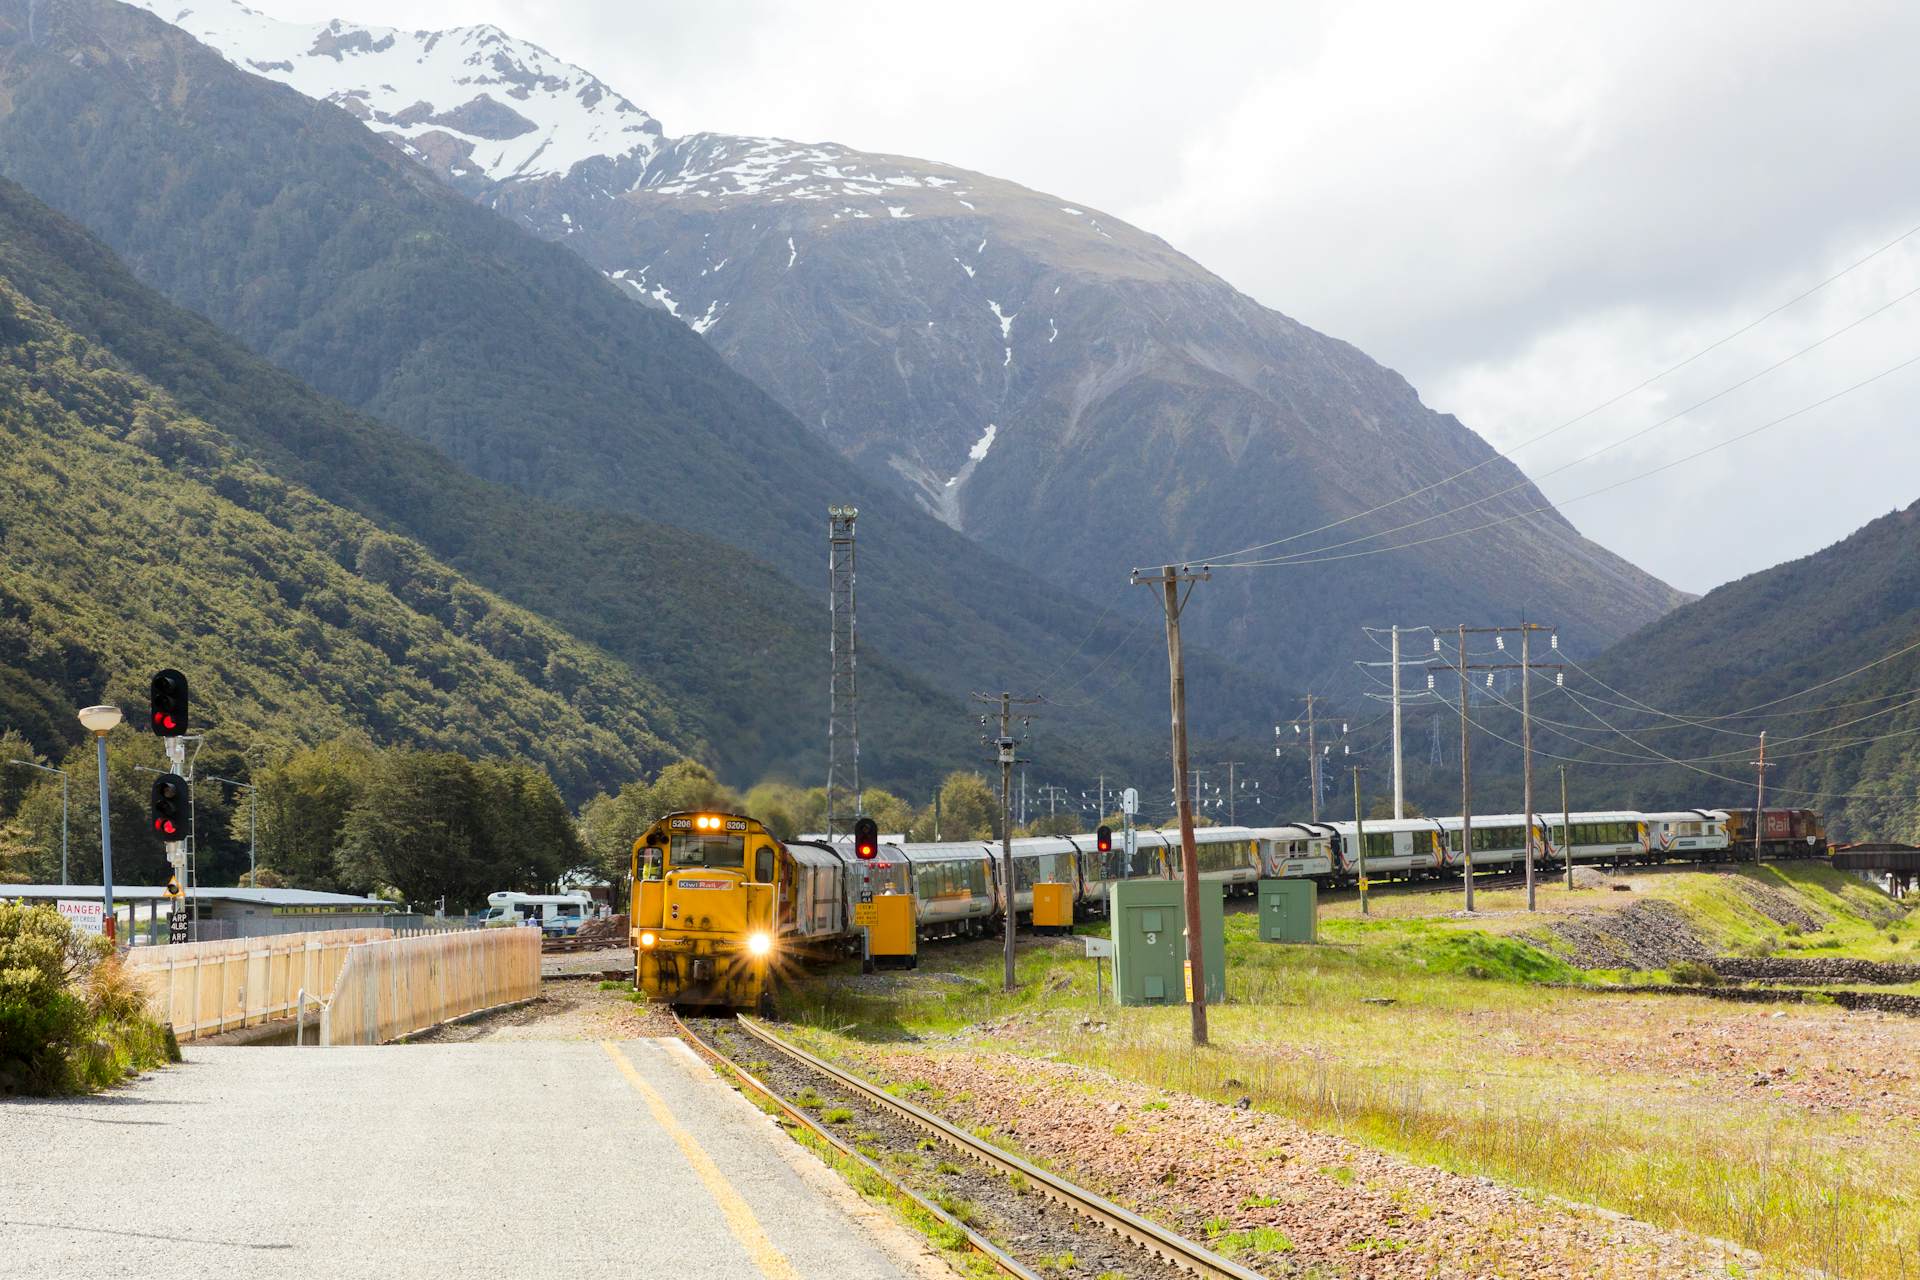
{"points": [[1223, 1172]]}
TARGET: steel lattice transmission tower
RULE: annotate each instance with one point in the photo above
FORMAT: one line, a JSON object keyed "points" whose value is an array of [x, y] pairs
{"points": [[843, 715]]}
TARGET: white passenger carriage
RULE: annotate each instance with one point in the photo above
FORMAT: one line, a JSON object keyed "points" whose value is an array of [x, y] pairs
{"points": [[1610, 836], [954, 882], [1297, 850], [1407, 848], [1686, 833], [1499, 840]]}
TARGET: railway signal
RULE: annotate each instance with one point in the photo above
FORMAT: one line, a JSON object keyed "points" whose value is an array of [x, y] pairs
{"points": [[866, 839], [168, 698], [1103, 839], [170, 807]]}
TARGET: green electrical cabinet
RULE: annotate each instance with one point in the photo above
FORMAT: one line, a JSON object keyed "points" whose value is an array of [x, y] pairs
{"points": [[1150, 943], [1289, 911]]}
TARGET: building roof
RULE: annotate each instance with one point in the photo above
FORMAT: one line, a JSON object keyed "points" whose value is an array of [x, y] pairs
{"points": [[143, 893]]}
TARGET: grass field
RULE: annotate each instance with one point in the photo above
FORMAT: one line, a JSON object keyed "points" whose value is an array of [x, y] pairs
{"points": [[1790, 1129]]}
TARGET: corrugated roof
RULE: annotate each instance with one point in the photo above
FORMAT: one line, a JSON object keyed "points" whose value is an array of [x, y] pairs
{"points": [[144, 893]]}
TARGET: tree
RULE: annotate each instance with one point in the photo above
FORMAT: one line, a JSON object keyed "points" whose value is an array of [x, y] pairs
{"points": [[304, 802], [1059, 824], [16, 780], [420, 826], [613, 823], [889, 812], [529, 837], [969, 808], [1381, 807]]}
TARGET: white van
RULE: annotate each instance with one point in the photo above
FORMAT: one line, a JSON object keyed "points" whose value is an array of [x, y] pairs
{"points": [[555, 914]]}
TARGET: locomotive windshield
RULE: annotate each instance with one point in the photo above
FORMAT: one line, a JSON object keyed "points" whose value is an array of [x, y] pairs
{"points": [[728, 851]]}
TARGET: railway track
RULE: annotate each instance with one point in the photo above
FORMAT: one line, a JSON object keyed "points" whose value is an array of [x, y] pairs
{"points": [[1028, 1222]]}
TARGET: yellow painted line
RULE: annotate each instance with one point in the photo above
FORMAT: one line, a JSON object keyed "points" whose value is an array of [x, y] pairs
{"points": [[740, 1220]]}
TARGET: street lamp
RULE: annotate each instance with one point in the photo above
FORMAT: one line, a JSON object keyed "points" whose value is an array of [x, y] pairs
{"points": [[47, 768], [100, 721]]}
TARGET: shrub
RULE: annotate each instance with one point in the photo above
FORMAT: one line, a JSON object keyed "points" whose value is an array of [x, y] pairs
{"points": [[1695, 973], [72, 1017]]}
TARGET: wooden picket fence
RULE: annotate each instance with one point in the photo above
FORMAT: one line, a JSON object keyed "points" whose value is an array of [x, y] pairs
{"points": [[393, 988], [204, 988]]}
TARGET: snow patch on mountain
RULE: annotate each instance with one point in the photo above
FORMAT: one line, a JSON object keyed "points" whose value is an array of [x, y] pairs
{"points": [[474, 99]]}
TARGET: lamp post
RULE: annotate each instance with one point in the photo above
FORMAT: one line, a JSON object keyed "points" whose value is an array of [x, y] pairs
{"points": [[47, 768], [100, 721]]}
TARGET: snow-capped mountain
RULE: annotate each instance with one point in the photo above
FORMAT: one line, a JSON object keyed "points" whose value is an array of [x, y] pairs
{"points": [[473, 103], [1040, 375]]}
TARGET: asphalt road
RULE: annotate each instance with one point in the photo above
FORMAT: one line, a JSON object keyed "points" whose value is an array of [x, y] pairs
{"points": [[533, 1158]]}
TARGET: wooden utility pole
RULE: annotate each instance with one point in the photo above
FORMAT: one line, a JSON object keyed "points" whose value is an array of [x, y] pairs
{"points": [[1566, 827], [1005, 748], [1526, 748], [1466, 774], [1526, 667], [1313, 761], [1360, 839], [1174, 600], [1314, 775], [1759, 796], [1399, 782]]}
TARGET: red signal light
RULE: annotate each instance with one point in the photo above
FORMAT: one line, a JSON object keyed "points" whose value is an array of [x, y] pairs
{"points": [[167, 699], [1103, 840], [866, 839]]}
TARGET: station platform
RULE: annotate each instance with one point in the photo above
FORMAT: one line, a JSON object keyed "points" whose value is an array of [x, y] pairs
{"points": [[574, 1159]]}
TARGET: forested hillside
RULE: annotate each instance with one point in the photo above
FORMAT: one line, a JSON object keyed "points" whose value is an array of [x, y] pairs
{"points": [[137, 536], [641, 591], [1778, 651], [327, 251]]}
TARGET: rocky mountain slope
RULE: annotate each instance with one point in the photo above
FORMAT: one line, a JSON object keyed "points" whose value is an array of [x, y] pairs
{"points": [[340, 260], [1060, 386]]}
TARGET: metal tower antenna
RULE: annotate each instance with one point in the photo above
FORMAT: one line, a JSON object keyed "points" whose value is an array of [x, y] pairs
{"points": [[843, 715]]}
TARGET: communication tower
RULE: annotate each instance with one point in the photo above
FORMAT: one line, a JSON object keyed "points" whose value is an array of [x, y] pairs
{"points": [[843, 714]]}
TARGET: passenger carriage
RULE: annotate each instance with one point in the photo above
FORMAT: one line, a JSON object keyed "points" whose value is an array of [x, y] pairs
{"points": [[1686, 833], [1406, 848], [955, 883], [1297, 850]]}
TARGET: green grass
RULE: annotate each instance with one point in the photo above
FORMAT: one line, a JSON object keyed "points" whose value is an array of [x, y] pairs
{"points": [[1457, 1070], [1256, 1240]]}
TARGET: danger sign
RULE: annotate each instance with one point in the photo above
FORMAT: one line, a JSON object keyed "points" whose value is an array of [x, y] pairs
{"points": [[87, 917]]}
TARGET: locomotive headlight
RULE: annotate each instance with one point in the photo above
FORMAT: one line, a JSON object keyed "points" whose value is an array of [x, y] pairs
{"points": [[759, 944], [647, 939]]}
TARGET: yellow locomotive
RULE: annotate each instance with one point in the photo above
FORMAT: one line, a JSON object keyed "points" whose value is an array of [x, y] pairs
{"points": [[704, 917]]}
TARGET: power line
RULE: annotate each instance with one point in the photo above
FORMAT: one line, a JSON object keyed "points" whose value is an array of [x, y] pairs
{"points": [[1574, 421], [1758, 706], [1526, 482], [1551, 508]]}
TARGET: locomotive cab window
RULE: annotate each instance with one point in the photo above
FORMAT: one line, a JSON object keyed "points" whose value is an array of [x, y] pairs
{"points": [[650, 862], [716, 851], [763, 864]]}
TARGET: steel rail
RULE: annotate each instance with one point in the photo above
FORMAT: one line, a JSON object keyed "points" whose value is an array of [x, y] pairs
{"points": [[977, 1242], [1131, 1226]]}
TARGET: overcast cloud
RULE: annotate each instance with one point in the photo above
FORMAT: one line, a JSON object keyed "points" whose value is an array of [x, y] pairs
{"points": [[1523, 211]]}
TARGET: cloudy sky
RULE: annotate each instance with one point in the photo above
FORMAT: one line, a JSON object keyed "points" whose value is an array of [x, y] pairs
{"points": [[1525, 212]]}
